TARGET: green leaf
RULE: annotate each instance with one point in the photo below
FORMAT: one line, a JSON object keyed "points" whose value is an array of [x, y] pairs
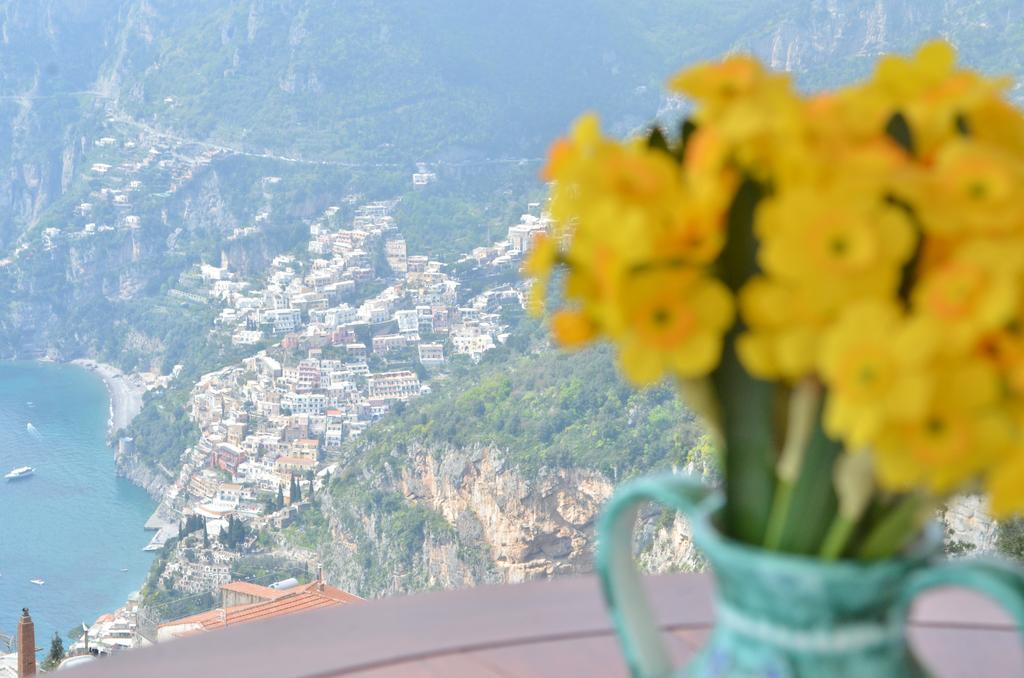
{"points": [[813, 504], [656, 139], [686, 131], [899, 131], [747, 403], [896, 529], [962, 126]]}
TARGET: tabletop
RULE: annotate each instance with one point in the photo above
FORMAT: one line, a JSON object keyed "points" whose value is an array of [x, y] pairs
{"points": [[550, 628]]}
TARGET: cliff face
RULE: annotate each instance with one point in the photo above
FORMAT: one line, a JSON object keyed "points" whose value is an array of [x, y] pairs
{"points": [[460, 517], [969, 526], [130, 466], [51, 52], [532, 528], [830, 42]]}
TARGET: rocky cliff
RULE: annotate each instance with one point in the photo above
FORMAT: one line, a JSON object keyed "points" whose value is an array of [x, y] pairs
{"points": [[969, 527], [450, 518], [132, 467]]}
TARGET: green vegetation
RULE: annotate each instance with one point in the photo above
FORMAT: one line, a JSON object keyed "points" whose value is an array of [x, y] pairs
{"points": [[163, 429], [236, 535], [542, 408], [160, 601], [545, 410], [308, 531], [470, 209], [267, 569], [56, 654], [1010, 538], [392, 551]]}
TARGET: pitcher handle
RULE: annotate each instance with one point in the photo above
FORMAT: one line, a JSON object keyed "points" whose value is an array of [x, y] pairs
{"points": [[999, 580], [639, 636]]}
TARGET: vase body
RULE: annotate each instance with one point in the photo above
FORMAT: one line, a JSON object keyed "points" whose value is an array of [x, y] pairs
{"points": [[780, 615]]}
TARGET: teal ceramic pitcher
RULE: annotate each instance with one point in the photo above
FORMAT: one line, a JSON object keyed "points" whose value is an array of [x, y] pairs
{"points": [[780, 615]]}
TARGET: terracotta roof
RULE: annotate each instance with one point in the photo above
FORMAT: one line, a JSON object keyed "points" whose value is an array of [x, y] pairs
{"points": [[296, 599]]}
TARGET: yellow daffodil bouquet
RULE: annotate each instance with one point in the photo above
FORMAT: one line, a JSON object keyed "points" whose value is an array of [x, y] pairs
{"points": [[833, 280]]}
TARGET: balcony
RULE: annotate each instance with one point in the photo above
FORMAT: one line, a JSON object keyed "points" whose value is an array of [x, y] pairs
{"points": [[555, 628]]}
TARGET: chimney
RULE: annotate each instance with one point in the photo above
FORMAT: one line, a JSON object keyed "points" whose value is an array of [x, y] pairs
{"points": [[26, 645], [319, 577]]}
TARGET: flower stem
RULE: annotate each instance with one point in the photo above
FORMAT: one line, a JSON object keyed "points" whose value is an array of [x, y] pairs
{"points": [[803, 410], [896, 529], [781, 502], [853, 478], [838, 536]]}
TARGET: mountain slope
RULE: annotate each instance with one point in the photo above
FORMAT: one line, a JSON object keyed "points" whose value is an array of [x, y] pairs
{"points": [[408, 80]]}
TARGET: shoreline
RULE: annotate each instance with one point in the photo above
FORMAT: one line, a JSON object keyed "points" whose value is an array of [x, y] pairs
{"points": [[125, 391]]}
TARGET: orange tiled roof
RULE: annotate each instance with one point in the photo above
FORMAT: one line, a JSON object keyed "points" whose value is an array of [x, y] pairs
{"points": [[296, 599]]}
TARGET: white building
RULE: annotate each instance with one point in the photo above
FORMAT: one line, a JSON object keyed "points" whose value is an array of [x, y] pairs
{"points": [[394, 251], [408, 321], [246, 337], [400, 385], [520, 236], [431, 355], [305, 403], [472, 342], [282, 320]]}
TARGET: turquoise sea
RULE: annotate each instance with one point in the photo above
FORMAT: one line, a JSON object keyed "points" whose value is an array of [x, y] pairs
{"points": [[73, 524]]}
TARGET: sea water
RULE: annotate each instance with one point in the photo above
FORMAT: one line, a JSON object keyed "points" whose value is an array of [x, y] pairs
{"points": [[73, 524]]}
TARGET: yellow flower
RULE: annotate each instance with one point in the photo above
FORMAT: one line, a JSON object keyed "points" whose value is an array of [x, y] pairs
{"points": [[964, 431], [573, 329], [672, 319], [785, 323], [718, 84], [840, 243], [538, 265], [1006, 350], [973, 187], [971, 294], [875, 363], [929, 91], [1005, 485], [903, 79], [754, 111], [999, 123]]}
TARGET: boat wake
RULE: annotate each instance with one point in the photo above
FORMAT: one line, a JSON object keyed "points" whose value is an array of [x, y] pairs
{"points": [[33, 431]]}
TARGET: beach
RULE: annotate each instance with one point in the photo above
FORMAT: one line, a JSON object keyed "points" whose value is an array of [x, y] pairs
{"points": [[125, 391]]}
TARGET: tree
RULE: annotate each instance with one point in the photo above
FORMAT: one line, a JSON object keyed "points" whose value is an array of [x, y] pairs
{"points": [[56, 655], [1010, 538], [76, 632], [206, 536], [280, 497], [297, 492]]}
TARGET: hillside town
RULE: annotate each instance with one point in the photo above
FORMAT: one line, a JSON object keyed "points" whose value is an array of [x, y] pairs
{"points": [[339, 338]]}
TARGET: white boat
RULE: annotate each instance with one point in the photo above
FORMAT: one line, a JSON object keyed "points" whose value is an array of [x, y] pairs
{"points": [[20, 472], [37, 582]]}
